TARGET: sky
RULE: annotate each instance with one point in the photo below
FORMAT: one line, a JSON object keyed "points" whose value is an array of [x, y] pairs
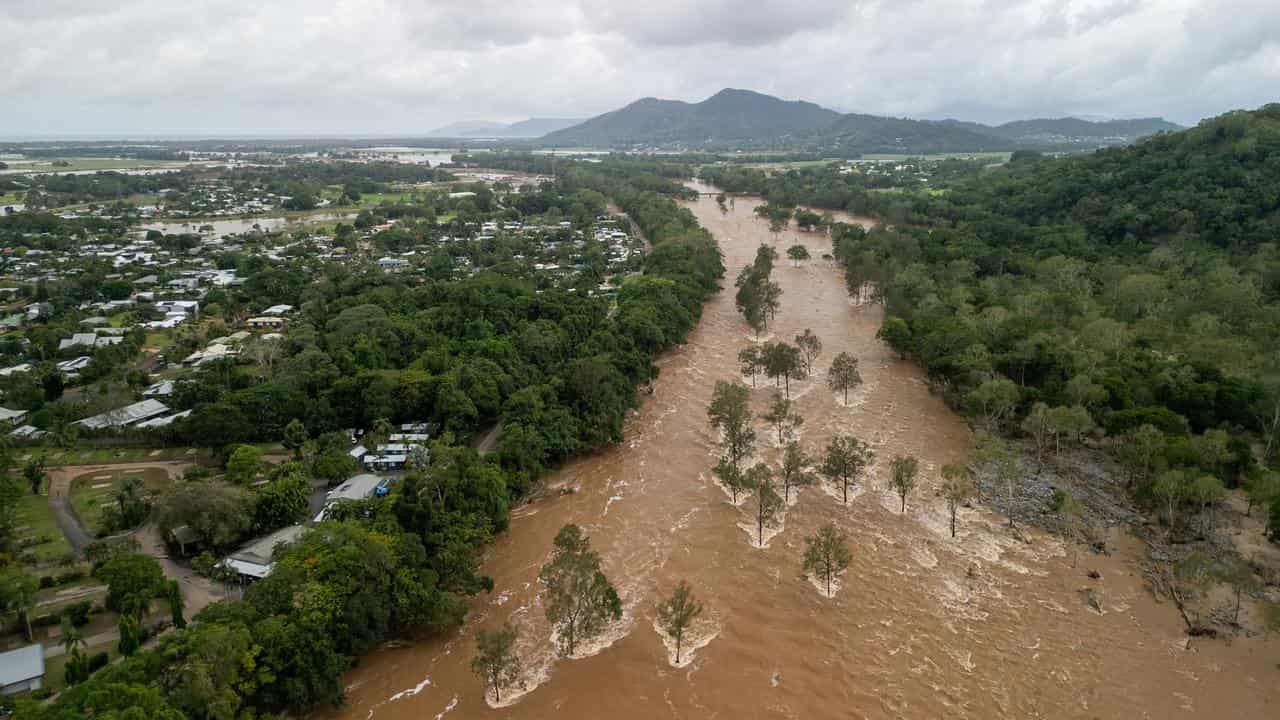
{"points": [[151, 68]]}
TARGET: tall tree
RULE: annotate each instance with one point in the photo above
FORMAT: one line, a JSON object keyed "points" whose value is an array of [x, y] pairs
{"points": [[826, 554], [18, 595], [999, 460], [957, 488], [677, 612], [751, 362], [782, 363], [781, 417], [760, 479], [496, 661], [580, 599], [795, 469], [730, 413], [810, 348], [295, 436], [844, 375], [846, 458], [902, 476]]}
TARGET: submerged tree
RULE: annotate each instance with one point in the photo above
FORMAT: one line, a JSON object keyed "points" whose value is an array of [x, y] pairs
{"points": [[781, 417], [999, 459], [496, 661], [760, 479], [844, 375], [677, 613], [580, 599], [795, 469], [846, 458], [782, 363], [751, 362], [826, 554], [810, 348], [902, 476], [957, 488], [797, 253], [730, 413]]}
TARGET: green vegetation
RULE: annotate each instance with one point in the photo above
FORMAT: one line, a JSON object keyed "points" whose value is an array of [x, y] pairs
{"points": [[108, 501]]}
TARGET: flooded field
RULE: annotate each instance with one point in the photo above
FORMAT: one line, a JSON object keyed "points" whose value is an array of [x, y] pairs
{"points": [[923, 626]]}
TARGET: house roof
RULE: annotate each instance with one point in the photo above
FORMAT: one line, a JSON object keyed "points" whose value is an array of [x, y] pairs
{"points": [[22, 664], [358, 487], [125, 415], [255, 558]]}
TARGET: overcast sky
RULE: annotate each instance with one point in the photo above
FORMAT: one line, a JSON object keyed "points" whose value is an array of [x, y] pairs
{"points": [[142, 68]]}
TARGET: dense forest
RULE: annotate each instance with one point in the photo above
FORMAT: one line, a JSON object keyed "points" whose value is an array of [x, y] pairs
{"points": [[1133, 292], [557, 369]]}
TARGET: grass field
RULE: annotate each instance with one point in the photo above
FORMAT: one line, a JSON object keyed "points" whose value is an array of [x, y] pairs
{"points": [[92, 492], [105, 456], [36, 520]]}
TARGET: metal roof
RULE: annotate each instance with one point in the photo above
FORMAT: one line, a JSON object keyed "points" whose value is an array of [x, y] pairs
{"points": [[22, 664]]}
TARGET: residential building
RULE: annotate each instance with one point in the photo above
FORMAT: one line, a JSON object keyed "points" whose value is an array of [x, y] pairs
{"points": [[22, 670]]}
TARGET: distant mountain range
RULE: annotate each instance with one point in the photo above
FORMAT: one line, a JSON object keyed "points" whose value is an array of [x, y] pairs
{"points": [[531, 128], [742, 119]]}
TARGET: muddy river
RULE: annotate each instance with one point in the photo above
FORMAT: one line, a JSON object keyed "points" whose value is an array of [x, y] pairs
{"points": [[983, 626]]}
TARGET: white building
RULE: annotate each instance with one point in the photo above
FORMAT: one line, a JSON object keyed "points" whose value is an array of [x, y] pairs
{"points": [[255, 560], [22, 670]]}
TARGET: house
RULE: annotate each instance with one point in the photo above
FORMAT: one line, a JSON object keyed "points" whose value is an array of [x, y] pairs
{"points": [[12, 417], [89, 340], [24, 367], [164, 388], [254, 560], [278, 310], [163, 420], [124, 416], [358, 487], [28, 432], [216, 351], [265, 322], [186, 307], [72, 367], [392, 264], [22, 670]]}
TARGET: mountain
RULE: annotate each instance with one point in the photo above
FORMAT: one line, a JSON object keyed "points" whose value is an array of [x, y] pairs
{"points": [[531, 128], [730, 117], [742, 119], [1070, 130]]}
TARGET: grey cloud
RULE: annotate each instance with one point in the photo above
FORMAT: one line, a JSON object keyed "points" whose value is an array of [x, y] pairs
{"points": [[404, 66]]}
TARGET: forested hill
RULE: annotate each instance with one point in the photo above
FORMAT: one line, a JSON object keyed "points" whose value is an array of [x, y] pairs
{"points": [[1219, 182], [745, 119], [728, 117]]}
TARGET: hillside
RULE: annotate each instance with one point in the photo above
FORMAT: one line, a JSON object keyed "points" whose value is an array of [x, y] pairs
{"points": [[733, 119], [730, 117]]}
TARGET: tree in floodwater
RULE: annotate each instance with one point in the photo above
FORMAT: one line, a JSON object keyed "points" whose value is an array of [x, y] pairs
{"points": [[795, 469], [781, 417], [730, 413], [751, 362], [1238, 575], [580, 600], [1182, 583], [797, 253], [956, 489], [731, 477], [496, 661], [782, 363], [902, 476], [846, 458], [768, 503], [1071, 515], [826, 554], [677, 613], [810, 348], [843, 375]]}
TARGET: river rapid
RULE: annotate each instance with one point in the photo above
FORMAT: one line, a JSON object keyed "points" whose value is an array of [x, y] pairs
{"points": [[923, 626]]}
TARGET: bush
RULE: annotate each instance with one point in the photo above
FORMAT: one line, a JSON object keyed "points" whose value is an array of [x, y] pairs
{"points": [[79, 613], [98, 661]]}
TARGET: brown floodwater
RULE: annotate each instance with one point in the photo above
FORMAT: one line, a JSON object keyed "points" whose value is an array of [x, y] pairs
{"points": [[922, 626]]}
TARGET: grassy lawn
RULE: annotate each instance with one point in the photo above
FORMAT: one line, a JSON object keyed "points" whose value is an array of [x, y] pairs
{"points": [[54, 667], [36, 520], [158, 339], [92, 492]]}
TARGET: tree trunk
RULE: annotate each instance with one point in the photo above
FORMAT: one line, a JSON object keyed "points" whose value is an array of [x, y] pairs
{"points": [[904, 504], [679, 637], [953, 521]]}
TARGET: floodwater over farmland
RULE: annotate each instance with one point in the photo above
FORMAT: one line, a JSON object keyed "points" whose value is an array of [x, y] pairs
{"points": [[923, 626]]}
